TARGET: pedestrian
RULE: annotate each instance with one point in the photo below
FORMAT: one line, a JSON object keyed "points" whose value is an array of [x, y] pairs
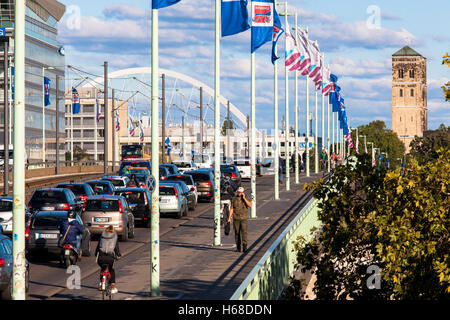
{"points": [[239, 213], [323, 157], [333, 160]]}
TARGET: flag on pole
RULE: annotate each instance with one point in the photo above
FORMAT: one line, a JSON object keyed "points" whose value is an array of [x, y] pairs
{"points": [[117, 121], [75, 101], [47, 91], [12, 82], [293, 55], [305, 58], [141, 131], [169, 147], [316, 63], [373, 157], [98, 107], [234, 15], [131, 126], [277, 32], [159, 4], [327, 84], [262, 22]]}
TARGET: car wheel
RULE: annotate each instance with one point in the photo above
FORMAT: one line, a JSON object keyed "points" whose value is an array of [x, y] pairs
{"points": [[125, 235], [87, 252], [131, 235], [7, 293], [179, 214], [186, 210], [148, 224], [27, 279]]}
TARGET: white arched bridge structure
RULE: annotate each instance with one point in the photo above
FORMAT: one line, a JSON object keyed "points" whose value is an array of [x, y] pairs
{"points": [[124, 73]]}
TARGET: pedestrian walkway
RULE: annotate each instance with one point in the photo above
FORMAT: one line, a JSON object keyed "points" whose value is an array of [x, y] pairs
{"points": [[191, 268]]}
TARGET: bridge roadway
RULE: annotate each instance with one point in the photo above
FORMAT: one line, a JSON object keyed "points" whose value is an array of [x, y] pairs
{"points": [[191, 268]]}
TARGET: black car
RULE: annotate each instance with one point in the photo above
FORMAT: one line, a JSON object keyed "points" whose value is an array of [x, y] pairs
{"points": [[173, 169], [6, 268], [230, 170], [42, 234], [81, 190], [140, 202], [102, 187], [55, 199]]}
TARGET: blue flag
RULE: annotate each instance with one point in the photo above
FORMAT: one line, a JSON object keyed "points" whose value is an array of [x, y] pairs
{"points": [[277, 32], [159, 4], [46, 91], [234, 17], [12, 82], [75, 101], [262, 22]]}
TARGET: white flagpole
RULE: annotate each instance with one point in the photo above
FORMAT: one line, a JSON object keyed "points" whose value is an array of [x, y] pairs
{"points": [[297, 180], [95, 125]]}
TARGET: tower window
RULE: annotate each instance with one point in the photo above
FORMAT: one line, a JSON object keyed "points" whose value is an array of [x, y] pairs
{"points": [[400, 74], [400, 119], [412, 92], [401, 93], [411, 74], [412, 119]]}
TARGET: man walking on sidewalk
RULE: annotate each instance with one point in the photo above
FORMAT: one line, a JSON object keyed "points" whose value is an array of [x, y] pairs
{"points": [[239, 212]]}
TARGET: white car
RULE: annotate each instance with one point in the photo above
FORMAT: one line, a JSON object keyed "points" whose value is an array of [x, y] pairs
{"points": [[119, 182], [203, 161], [185, 166], [6, 215], [187, 179], [244, 167], [268, 166]]}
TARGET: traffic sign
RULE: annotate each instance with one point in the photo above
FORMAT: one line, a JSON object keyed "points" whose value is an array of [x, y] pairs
{"points": [[2, 32], [152, 185]]}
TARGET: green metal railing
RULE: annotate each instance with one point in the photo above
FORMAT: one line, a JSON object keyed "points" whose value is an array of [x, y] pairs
{"points": [[271, 274]]}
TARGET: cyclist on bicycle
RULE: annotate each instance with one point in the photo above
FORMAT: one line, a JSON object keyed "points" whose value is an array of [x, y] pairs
{"points": [[227, 190], [108, 251]]}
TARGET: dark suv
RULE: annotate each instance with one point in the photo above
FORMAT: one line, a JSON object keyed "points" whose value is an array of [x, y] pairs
{"points": [[230, 170], [140, 202], [81, 190], [54, 199], [204, 181]]}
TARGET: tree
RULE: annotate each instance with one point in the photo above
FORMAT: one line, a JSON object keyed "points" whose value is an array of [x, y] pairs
{"points": [[372, 217], [383, 138], [425, 149], [227, 124], [78, 155]]}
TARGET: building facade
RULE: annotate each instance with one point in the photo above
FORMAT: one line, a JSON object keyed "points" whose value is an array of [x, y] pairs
{"points": [[88, 133], [44, 56], [409, 95]]}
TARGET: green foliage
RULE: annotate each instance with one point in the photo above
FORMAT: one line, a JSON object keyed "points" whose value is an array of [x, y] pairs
{"points": [[227, 125], [383, 138], [78, 155], [371, 217], [425, 149]]}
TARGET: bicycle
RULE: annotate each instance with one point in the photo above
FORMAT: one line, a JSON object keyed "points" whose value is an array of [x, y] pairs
{"points": [[106, 284]]}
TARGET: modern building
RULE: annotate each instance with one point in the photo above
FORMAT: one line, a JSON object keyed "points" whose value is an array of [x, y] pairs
{"points": [[88, 133], [409, 95], [44, 56]]}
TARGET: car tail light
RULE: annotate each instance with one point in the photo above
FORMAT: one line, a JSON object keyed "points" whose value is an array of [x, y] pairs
{"points": [[83, 198], [67, 246], [84, 206], [120, 207], [66, 206], [2, 263], [176, 192], [27, 230], [163, 178], [209, 183], [233, 175], [211, 166], [30, 207]]}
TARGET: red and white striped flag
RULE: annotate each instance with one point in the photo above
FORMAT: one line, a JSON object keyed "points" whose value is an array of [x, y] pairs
{"points": [[117, 121]]}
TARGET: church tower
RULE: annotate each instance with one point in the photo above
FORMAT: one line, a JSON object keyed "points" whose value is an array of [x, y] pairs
{"points": [[409, 95]]}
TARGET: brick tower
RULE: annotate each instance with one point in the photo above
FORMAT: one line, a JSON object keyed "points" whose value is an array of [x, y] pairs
{"points": [[409, 95]]}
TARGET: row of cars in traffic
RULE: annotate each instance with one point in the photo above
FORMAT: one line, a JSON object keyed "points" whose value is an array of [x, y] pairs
{"points": [[110, 200]]}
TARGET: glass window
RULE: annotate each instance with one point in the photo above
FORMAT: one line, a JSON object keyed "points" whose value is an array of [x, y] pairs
{"points": [[47, 222], [102, 205], [412, 92], [88, 108], [401, 93], [48, 196]]}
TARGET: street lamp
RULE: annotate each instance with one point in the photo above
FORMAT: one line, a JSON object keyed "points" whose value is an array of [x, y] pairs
{"points": [[365, 144], [43, 111]]}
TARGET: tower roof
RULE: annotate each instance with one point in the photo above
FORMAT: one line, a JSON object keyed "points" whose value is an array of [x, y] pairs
{"points": [[407, 51]]}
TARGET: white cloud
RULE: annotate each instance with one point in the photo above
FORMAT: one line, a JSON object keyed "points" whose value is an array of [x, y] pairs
{"points": [[365, 67]]}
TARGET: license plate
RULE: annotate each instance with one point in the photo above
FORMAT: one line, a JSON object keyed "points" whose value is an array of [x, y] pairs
{"points": [[48, 208], [132, 206], [46, 236], [164, 200], [101, 219], [67, 252]]}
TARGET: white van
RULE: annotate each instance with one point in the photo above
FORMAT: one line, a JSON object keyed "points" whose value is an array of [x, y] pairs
{"points": [[203, 161], [244, 167]]}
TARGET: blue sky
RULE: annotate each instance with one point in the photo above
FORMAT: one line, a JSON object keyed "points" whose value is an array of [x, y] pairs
{"points": [[119, 32]]}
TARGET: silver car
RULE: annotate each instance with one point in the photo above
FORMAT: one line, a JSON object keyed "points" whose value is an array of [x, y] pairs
{"points": [[119, 182], [172, 199], [6, 215]]}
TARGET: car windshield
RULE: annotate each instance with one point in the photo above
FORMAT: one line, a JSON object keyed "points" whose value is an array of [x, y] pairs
{"points": [[187, 180], [200, 177], [167, 191], [162, 172], [134, 197], [229, 169], [5, 205], [78, 190], [47, 222], [117, 182], [99, 187], [170, 169], [48, 196], [242, 163], [183, 165], [102, 205]]}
